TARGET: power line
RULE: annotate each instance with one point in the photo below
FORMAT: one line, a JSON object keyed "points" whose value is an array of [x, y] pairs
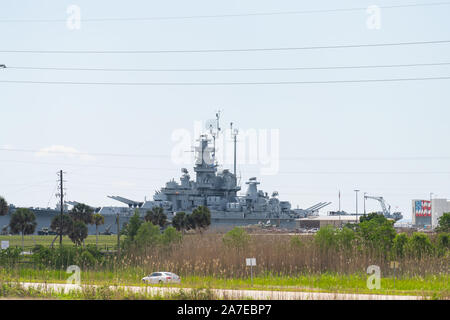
{"points": [[279, 173], [84, 153], [88, 165], [288, 158], [221, 83], [226, 50], [248, 14], [231, 69]]}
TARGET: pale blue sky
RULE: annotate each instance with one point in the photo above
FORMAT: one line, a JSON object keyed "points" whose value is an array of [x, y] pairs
{"points": [[382, 120]]}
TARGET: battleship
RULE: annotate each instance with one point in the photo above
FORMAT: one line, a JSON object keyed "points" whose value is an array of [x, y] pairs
{"points": [[216, 189]]}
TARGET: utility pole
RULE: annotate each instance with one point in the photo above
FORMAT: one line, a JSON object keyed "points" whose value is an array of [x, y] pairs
{"points": [[339, 201], [61, 196], [118, 234], [365, 203], [356, 215], [431, 200]]}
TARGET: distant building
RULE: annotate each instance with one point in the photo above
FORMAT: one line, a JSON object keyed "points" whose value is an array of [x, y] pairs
{"points": [[321, 221], [426, 212]]}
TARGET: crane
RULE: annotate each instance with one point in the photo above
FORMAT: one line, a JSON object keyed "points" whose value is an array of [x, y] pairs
{"points": [[386, 208]]}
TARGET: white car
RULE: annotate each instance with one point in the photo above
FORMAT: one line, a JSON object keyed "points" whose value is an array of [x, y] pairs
{"points": [[162, 277]]}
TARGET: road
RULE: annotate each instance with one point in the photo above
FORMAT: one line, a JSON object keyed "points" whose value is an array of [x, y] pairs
{"points": [[229, 294]]}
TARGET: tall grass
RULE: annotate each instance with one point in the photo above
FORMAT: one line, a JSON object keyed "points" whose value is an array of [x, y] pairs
{"points": [[207, 255], [281, 260]]}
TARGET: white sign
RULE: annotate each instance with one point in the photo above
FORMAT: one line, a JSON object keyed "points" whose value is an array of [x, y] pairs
{"points": [[251, 262], [5, 245]]}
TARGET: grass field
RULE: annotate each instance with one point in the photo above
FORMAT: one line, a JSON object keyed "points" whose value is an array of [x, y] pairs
{"points": [[30, 241], [430, 286], [204, 261]]}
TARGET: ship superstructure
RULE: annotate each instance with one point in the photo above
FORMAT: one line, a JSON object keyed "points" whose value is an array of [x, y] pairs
{"points": [[218, 190]]}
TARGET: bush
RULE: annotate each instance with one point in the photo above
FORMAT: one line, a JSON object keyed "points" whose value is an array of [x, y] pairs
{"points": [[420, 245], [326, 238], [133, 226], [171, 236], [42, 256], [148, 235], [443, 243], [236, 238], [10, 256], [345, 238], [87, 259], [400, 244], [377, 233], [94, 251], [444, 240], [62, 257], [444, 223]]}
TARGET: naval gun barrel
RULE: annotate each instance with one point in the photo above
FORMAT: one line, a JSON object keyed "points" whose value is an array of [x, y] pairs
{"points": [[318, 206], [130, 203], [323, 205], [315, 206]]}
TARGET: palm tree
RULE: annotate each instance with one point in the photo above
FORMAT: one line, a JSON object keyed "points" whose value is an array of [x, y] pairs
{"points": [[3, 207], [82, 213], [179, 222], [156, 216], [98, 220], [79, 233], [23, 221]]}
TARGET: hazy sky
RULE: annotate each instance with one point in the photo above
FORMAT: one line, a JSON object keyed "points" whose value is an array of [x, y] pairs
{"points": [[337, 136]]}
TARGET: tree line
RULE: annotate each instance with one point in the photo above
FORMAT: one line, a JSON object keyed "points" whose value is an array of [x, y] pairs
{"points": [[74, 224]]}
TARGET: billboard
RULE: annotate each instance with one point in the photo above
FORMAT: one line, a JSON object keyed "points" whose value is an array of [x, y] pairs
{"points": [[422, 208]]}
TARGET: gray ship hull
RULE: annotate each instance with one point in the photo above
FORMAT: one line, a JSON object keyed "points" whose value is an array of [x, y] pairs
{"points": [[44, 219], [221, 219], [216, 222]]}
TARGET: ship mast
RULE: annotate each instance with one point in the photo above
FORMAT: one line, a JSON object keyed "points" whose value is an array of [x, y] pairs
{"points": [[215, 134], [234, 134]]}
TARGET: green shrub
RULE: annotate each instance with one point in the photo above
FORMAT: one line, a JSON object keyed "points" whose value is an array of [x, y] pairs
{"points": [[148, 235], [94, 251], [345, 238], [444, 223], [420, 245], [444, 240], [133, 226], [377, 233], [236, 238], [399, 245], [326, 238], [86, 259], [443, 243], [10, 256], [42, 256], [171, 236]]}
